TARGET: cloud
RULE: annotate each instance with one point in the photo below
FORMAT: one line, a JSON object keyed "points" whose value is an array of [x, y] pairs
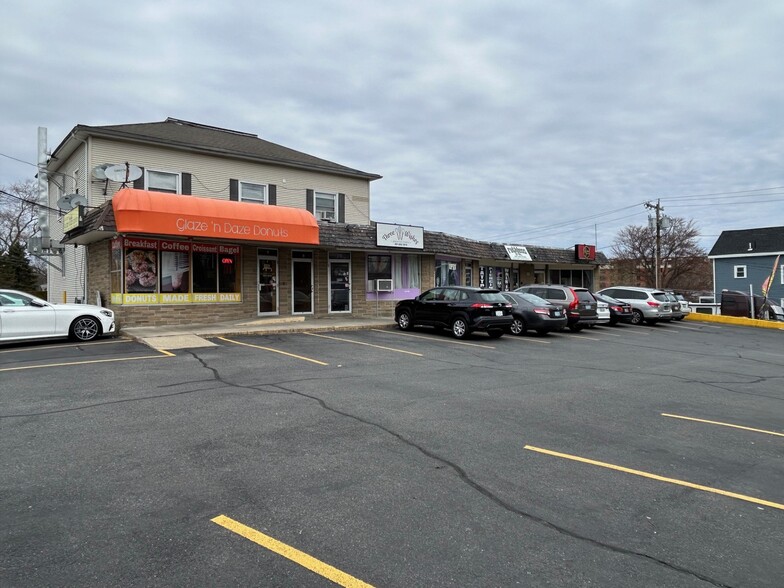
{"points": [[492, 120]]}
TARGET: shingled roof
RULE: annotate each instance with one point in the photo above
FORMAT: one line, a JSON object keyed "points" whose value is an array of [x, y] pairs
{"points": [[181, 134], [749, 242], [99, 224], [344, 236]]}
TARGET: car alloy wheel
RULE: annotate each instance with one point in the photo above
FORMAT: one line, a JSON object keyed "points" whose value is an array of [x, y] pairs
{"points": [[637, 317], [85, 328], [404, 321], [518, 327], [459, 328]]}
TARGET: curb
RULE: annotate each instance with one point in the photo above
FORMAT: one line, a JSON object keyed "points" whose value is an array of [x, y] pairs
{"points": [[734, 320]]}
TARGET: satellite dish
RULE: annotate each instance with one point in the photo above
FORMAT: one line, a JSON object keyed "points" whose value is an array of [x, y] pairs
{"points": [[99, 171], [78, 200], [65, 202], [123, 173]]}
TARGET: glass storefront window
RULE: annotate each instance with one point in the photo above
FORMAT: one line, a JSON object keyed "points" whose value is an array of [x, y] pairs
{"points": [[227, 274], [447, 273], [404, 270], [141, 270], [175, 271], [205, 272], [379, 267]]}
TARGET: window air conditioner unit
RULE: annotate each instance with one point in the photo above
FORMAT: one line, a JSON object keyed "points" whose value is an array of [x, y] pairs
{"points": [[383, 285]]}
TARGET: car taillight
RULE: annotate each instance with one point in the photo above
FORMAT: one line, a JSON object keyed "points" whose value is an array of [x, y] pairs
{"points": [[543, 311], [652, 303], [617, 308], [481, 305], [573, 304]]}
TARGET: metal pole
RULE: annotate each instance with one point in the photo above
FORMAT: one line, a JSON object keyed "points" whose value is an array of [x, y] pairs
{"points": [[658, 241]]}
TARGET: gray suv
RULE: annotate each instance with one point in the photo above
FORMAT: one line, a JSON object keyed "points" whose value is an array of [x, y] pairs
{"points": [[648, 304], [579, 303]]}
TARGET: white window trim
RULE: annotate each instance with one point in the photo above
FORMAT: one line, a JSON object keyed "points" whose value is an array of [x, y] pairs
{"points": [[162, 171], [737, 270], [323, 194], [254, 200], [781, 270]]}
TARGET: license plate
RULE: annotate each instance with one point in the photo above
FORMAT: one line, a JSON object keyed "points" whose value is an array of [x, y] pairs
{"points": [[499, 313], [557, 313], [587, 307]]}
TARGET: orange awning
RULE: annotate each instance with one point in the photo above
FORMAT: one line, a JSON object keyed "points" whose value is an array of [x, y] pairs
{"points": [[158, 213]]}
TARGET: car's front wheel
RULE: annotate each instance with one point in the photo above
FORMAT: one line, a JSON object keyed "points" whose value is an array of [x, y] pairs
{"points": [[460, 328], [85, 328], [404, 321], [637, 317], [518, 327]]}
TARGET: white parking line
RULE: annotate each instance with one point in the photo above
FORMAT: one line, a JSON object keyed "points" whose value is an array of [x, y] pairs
{"points": [[64, 345], [431, 338]]}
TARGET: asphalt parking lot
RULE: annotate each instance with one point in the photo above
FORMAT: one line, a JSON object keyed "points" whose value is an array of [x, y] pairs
{"points": [[625, 456]]}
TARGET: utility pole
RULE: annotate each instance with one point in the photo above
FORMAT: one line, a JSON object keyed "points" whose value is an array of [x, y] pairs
{"points": [[658, 208]]}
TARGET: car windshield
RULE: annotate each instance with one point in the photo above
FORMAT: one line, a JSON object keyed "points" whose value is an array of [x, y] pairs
{"points": [[490, 297], [533, 299], [584, 296], [14, 299]]}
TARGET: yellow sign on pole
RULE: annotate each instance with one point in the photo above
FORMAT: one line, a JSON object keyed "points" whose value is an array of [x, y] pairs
{"points": [[73, 219]]}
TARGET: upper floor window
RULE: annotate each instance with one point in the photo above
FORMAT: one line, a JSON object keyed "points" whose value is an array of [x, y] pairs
{"points": [[326, 205], [740, 271], [253, 193], [159, 181]]}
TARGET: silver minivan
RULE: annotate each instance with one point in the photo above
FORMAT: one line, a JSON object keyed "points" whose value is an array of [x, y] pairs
{"points": [[648, 304]]}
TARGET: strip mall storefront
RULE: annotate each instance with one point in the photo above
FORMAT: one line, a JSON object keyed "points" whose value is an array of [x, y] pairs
{"points": [[174, 259]]}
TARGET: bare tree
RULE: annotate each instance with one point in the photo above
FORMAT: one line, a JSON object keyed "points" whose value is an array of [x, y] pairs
{"points": [[18, 213], [681, 258]]}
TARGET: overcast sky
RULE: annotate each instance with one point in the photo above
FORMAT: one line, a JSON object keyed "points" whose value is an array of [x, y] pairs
{"points": [[543, 123]]}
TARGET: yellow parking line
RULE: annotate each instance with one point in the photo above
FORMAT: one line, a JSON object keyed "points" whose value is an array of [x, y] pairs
{"points": [[657, 477], [685, 418], [437, 340], [273, 351], [299, 557], [366, 344], [48, 365]]}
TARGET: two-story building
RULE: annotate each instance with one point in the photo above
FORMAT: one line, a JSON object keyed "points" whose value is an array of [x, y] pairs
{"points": [[745, 258], [176, 222]]}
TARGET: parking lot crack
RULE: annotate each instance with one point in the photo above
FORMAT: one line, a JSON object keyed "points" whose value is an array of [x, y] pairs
{"points": [[467, 479]]}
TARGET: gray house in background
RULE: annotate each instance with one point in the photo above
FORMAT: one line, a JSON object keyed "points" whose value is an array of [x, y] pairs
{"points": [[745, 258]]}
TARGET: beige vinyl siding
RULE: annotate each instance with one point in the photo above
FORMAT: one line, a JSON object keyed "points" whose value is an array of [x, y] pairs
{"points": [[69, 285], [211, 175]]}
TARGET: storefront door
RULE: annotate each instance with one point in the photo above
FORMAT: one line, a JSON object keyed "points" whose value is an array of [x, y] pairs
{"points": [[302, 282], [268, 281], [340, 282]]}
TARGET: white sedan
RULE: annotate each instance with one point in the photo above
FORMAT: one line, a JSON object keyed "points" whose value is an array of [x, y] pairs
{"points": [[24, 318]]}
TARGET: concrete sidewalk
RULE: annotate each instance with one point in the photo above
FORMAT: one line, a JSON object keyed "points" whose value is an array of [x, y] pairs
{"points": [[197, 335]]}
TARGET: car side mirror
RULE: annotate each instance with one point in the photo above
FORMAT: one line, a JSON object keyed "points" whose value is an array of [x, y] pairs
{"points": [[37, 304]]}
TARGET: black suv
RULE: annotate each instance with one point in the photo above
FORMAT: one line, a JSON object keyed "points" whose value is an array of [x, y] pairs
{"points": [[458, 308], [579, 304]]}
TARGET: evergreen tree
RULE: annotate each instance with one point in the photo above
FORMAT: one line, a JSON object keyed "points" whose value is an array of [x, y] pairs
{"points": [[16, 265]]}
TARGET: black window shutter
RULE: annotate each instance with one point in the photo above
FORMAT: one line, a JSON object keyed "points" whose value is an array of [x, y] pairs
{"points": [[139, 183], [309, 201], [272, 194], [234, 190], [341, 208], [186, 183]]}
